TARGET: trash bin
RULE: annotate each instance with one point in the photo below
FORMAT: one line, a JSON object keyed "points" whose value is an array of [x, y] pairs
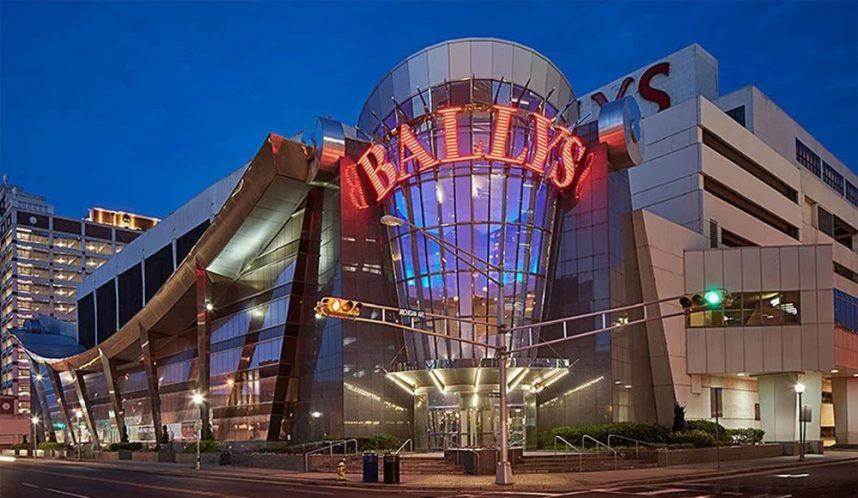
{"points": [[370, 467], [391, 469]]}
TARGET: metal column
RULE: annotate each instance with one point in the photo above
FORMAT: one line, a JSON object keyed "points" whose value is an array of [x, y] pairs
{"points": [[80, 384], [115, 397], [50, 432], [151, 382], [203, 291], [61, 401]]}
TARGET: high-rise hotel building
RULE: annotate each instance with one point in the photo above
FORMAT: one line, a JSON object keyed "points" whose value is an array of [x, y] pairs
{"points": [[42, 259]]}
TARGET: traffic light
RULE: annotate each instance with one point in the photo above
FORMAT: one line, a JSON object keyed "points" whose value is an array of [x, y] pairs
{"points": [[337, 307], [712, 298]]}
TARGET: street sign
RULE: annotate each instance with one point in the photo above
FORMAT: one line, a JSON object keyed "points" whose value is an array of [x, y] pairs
{"points": [[806, 414], [412, 313], [717, 401]]}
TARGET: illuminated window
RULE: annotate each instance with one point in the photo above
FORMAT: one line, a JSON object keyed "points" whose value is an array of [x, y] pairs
{"points": [[747, 309]]}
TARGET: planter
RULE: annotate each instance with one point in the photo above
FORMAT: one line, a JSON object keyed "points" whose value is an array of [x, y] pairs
{"points": [[269, 461], [115, 455], [703, 455], [205, 458], [153, 456]]}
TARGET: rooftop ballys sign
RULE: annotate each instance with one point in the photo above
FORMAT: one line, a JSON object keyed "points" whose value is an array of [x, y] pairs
{"points": [[553, 151]]}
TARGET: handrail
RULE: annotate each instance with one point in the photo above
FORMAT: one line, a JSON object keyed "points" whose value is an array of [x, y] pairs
{"points": [[408, 442], [566, 455], [313, 443], [567, 443], [637, 442], [330, 447], [584, 439], [447, 441]]}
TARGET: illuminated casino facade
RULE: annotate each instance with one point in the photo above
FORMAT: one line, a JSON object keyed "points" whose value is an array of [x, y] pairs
{"points": [[562, 204]]}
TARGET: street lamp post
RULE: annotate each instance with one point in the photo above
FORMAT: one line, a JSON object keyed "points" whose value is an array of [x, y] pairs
{"points": [[35, 421], [198, 400], [799, 390], [503, 473], [78, 415]]}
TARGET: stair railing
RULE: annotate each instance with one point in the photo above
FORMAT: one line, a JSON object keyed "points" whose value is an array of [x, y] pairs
{"points": [[407, 442], [598, 443], [637, 442], [342, 442], [566, 454]]}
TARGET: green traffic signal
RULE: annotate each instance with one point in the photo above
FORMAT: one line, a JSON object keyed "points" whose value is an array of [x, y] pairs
{"points": [[713, 297]]}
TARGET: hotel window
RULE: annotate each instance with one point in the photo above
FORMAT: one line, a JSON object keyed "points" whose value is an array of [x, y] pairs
{"points": [[33, 271], [832, 178], [835, 227], [807, 157], [67, 243], [26, 252], [99, 247], [748, 309], [66, 260], [66, 292], [93, 264], [851, 193], [67, 276], [27, 235]]}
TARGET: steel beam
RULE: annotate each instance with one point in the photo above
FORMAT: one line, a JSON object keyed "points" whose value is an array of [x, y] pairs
{"points": [[109, 369], [83, 400], [39, 388], [151, 371], [203, 295], [62, 402]]}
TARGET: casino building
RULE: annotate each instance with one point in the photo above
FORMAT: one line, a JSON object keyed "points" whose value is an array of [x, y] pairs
{"points": [[650, 187]]}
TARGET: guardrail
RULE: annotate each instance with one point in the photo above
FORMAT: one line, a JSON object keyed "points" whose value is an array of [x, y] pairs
{"points": [[584, 439], [343, 442], [408, 442]]}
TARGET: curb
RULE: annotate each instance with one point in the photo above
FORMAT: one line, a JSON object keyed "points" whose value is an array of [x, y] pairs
{"points": [[571, 486]]}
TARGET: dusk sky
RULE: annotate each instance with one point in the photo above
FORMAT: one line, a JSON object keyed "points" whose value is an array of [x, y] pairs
{"points": [[139, 106]]}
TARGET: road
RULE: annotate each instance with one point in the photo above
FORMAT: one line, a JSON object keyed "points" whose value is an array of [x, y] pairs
{"points": [[54, 479]]}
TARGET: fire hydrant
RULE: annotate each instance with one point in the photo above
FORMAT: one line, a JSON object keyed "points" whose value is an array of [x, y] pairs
{"points": [[341, 470]]}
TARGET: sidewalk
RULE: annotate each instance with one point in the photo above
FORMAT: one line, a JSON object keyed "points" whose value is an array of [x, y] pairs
{"points": [[534, 482]]}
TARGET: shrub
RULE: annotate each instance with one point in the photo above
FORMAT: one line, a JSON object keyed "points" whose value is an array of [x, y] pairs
{"points": [[208, 446], [705, 426], [126, 446], [643, 431], [378, 442], [746, 436], [697, 438], [22, 446], [51, 446]]}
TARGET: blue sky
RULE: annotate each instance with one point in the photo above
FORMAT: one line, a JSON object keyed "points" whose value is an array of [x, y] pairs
{"points": [[139, 106]]}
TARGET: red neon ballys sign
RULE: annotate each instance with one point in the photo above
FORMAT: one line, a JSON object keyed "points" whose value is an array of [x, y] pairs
{"points": [[554, 151]]}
